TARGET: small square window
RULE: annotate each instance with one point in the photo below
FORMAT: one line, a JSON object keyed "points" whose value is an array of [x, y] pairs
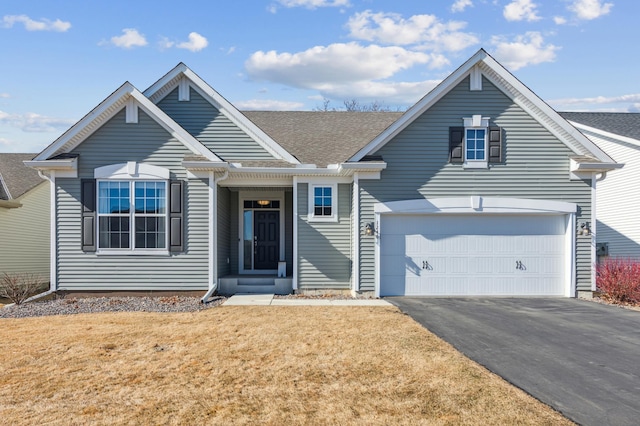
{"points": [[322, 200]]}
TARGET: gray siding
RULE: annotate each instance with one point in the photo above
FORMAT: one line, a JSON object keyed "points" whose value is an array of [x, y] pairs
{"points": [[536, 166], [118, 142], [324, 248], [212, 128], [25, 241]]}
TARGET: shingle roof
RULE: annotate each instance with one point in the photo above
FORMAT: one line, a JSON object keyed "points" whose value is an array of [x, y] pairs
{"points": [[322, 137], [621, 123], [17, 177]]}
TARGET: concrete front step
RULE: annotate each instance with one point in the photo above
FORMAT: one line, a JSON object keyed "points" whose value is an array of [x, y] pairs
{"points": [[255, 285]]}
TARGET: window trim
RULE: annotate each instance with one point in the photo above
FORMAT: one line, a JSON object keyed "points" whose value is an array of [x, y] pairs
{"points": [[133, 172], [476, 122], [311, 216]]}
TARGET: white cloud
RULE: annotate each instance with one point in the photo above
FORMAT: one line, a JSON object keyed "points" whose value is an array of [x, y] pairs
{"points": [[32, 122], [31, 25], [4, 141], [559, 20], [391, 28], [527, 49], [129, 39], [622, 103], [313, 4], [521, 10], [268, 105], [4, 96], [334, 64], [461, 5], [589, 9], [195, 44]]}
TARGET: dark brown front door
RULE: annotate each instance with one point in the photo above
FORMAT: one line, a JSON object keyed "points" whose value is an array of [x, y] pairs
{"points": [[266, 229]]}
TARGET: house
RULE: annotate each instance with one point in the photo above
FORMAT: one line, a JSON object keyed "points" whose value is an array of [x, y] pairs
{"points": [[618, 134], [24, 218], [479, 189]]}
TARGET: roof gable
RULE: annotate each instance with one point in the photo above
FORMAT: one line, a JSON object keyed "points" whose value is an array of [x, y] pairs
{"points": [[482, 64], [183, 78], [626, 124], [126, 96], [16, 179]]}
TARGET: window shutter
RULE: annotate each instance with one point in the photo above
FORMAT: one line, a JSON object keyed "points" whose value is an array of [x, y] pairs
{"points": [[176, 216], [495, 145], [88, 200], [456, 151]]}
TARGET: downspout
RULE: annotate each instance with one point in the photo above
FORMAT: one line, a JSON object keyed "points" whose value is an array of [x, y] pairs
{"points": [[53, 246], [294, 285], [213, 243], [356, 235]]}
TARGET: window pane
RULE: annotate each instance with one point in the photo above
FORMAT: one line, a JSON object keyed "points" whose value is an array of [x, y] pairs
{"points": [[327, 191], [113, 232], [150, 232], [317, 191]]}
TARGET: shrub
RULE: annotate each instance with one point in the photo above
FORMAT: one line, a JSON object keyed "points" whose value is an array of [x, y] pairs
{"points": [[619, 280], [20, 287]]}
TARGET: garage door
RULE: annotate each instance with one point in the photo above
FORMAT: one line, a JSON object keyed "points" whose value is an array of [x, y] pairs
{"points": [[499, 255]]}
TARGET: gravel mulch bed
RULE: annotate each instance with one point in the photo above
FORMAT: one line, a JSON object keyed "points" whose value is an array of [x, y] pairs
{"points": [[89, 305]]}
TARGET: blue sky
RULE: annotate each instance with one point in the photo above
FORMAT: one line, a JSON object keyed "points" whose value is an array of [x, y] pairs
{"points": [[62, 58]]}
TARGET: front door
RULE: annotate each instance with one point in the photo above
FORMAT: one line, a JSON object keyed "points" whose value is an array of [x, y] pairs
{"points": [[266, 235]]}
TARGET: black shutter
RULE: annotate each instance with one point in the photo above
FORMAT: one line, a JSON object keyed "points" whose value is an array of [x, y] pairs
{"points": [[495, 145], [456, 149], [176, 217], [88, 196]]}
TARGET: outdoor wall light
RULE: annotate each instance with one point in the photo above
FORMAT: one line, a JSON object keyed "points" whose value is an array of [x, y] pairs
{"points": [[584, 228], [263, 202], [368, 229]]}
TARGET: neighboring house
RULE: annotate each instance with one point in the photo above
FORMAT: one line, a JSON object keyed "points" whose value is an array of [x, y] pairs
{"points": [[618, 202], [24, 218], [479, 189]]}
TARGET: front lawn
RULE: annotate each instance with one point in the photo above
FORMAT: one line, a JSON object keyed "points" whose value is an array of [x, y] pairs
{"points": [[248, 364]]}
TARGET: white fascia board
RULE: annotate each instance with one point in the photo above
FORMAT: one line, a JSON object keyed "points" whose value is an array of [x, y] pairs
{"points": [[85, 121], [10, 204], [476, 204], [601, 132], [544, 108], [421, 106], [365, 167], [61, 164], [110, 107], [591, 167], [225, 107]]}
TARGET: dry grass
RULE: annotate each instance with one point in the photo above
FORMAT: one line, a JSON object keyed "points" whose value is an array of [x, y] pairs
{"points": [[238, 365]]}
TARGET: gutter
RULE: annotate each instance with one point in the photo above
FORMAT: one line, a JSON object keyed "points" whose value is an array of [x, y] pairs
{"points": [[10, 204]]}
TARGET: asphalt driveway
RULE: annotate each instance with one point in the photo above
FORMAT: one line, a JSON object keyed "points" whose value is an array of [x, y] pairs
{"points": [[580, 357]]}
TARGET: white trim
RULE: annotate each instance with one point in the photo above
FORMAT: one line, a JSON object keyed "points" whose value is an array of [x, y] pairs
{"points": [[132, 171], [485, 205], [132, 215], [224, 106], [213, 213], [295, 233], [311, 217], [594, 231], [131, 112], [325, 179], [355, 226], [53, 233], [475, 204], [184, 94], [511, 86], [108, 108], [475, 80], [260, 195]]}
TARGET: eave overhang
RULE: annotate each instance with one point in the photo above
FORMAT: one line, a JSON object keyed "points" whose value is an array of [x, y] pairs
{"points": [[67, 164], [10, 204], [343, 169], [584, 168]]}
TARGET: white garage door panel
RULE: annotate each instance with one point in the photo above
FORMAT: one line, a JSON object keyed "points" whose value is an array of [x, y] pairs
{"points": [[472, 255]]}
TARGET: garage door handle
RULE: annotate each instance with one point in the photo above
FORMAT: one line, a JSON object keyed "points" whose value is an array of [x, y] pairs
{"points": [[520, 266], [425, 265]]}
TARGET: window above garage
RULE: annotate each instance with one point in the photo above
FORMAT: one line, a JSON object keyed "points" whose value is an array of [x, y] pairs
{"points": [[476, 145]]}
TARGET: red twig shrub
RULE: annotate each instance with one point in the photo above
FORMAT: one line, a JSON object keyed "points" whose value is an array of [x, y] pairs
{"points": [[619, 280]]}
